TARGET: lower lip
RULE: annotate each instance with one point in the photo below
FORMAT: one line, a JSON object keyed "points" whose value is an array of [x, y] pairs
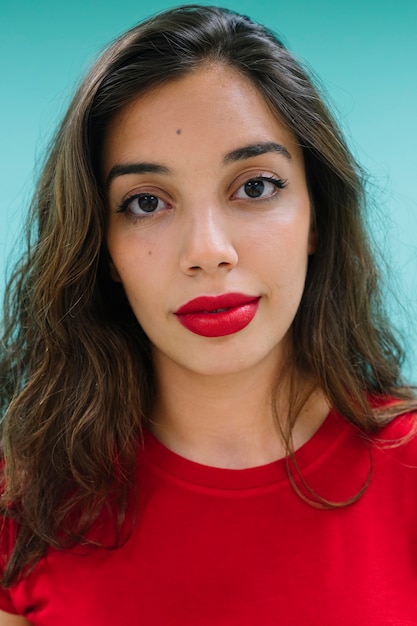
{"points": [[220, 324]]}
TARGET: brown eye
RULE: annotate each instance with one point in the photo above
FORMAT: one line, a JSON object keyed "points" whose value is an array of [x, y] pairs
{"points": [[140, 204], [147, 202], [254, 188], [259, 188]]}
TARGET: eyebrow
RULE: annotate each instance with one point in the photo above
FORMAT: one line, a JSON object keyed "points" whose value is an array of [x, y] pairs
{"points": [[254, 150], [240, 154], [123, 169]]}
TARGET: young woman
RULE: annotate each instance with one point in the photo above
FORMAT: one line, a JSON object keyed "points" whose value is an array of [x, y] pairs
{"points": [[205, 421]]}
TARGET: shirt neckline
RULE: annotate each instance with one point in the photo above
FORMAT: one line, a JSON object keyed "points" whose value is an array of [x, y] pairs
{"points": [[163, 459]]}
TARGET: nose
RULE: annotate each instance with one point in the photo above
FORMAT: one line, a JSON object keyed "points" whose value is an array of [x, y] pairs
{"points": [[207, 243]]}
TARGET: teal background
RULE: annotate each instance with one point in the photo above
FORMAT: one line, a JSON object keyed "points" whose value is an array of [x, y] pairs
{"points": [[365, 54]]}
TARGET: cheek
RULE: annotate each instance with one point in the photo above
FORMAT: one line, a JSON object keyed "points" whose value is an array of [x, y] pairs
{"points": [[141, 293], [284, 243], [140, 266]]}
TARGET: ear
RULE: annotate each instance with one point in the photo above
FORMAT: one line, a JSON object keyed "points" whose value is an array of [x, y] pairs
{"points": [[312, 240], [114, 273]]}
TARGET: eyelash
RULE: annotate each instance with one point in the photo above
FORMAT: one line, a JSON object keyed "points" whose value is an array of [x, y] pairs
{"points": [[124, 207], [279, 183]]}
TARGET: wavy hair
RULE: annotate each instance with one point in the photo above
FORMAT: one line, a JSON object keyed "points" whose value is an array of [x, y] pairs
{"points": [[76, 368]]}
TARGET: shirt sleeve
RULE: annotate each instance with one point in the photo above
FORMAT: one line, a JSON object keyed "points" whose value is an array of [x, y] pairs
{"points": [[7, 535], [6, 603]]}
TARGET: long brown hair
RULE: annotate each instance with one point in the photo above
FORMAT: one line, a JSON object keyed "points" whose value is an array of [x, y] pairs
{"points": [[76, 371]]}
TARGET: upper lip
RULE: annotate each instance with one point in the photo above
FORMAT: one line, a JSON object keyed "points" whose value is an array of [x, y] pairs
{"points": [[207, 304]]}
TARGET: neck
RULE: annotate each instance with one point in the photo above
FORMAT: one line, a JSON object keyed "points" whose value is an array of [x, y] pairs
{"points": [[229, 421]]}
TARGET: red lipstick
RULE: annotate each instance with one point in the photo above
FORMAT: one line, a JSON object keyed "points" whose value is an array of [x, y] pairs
{"points": [[218, 316]]}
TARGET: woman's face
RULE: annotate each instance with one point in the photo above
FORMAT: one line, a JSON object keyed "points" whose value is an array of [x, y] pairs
{"points": [[209, 222]]}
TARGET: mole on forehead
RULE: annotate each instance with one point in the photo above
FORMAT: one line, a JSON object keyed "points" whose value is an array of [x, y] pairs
{"points": [[179, 131]]}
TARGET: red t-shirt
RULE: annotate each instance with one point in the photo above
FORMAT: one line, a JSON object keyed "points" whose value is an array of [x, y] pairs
{"points": [[240, 548]]}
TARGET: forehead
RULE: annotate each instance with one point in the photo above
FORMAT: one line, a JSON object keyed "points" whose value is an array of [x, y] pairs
{"points": [[213, 109]]}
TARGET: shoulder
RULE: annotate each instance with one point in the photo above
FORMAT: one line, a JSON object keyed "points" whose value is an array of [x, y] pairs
{"points": [[402, 427], [7, 608], [394, 447], [398, 424]]}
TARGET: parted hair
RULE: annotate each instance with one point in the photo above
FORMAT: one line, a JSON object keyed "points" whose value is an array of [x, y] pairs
{"points": [[76, 368]]}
